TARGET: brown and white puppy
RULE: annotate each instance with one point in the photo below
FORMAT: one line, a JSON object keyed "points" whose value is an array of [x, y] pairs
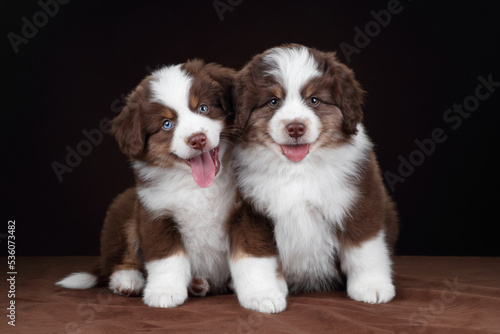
{"points": [[172, 226], [315, 208]]}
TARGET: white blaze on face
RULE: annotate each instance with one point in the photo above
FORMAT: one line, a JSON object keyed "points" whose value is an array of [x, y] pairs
{"points": [[293, 68], [171, 87]]}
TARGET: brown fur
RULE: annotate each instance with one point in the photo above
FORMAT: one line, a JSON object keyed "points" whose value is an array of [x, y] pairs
{"points": [[340, 112], [130, 235], [373, 211], [251, 233], [119, 242]]}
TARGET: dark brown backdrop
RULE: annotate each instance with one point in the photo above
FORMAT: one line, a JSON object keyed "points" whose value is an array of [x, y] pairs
{"points": [[430, 70]]}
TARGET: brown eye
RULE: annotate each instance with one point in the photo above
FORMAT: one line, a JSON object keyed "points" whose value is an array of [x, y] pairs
{"points": [[314, 101], [203, 108], [273, 103]]}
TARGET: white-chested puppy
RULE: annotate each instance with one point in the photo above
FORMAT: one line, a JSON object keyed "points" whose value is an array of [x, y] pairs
{"points": [[314, 205], [172, 226]]}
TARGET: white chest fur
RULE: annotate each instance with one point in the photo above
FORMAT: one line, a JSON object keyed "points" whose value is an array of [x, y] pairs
{"points": [[307, 201], [200, 213]]}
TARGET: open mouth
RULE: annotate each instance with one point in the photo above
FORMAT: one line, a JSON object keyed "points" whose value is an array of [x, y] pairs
{"points": [[205, 167], [295, 152]]}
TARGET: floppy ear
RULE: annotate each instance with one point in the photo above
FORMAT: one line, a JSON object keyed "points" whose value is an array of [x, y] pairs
{"points": [[225, 78], [127, 127], [242, 107], [348, 91]]}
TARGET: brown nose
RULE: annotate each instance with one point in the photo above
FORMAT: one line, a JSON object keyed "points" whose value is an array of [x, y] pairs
{"points": [[296, 130], [197, 141]]}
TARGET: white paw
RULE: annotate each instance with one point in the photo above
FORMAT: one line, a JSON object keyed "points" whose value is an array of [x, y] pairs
{"points": [[266, 301], [371, 292], [164, 296], [126, 282]]}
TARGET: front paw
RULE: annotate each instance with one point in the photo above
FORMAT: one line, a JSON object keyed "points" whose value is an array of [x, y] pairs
{"points": [[370, 291], [265, 301], [164, 296]]}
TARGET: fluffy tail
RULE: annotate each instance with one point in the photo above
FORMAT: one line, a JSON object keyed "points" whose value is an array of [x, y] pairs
{"points": [[81, 280]]}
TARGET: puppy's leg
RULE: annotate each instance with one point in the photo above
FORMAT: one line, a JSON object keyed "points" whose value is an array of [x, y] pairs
{"points": [[121, 265], [258, 284], [168, 280], [127, 278], [167, 265], [368, 270], [257, 278]]}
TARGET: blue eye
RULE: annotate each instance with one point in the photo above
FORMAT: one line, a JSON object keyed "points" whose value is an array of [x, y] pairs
{"points": [[274, 102], [203, 108], [167, 125]]}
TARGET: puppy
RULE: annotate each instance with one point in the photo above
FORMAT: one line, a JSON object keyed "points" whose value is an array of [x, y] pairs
{"points": [[176, 130], [314, 205]]}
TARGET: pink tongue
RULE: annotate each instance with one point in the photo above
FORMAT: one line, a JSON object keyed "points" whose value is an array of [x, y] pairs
{"points": [[295, 152], [203, 169]]}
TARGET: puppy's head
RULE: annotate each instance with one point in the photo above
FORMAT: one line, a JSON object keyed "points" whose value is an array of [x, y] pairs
{"points": [[296, 100], [177, 117]]}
